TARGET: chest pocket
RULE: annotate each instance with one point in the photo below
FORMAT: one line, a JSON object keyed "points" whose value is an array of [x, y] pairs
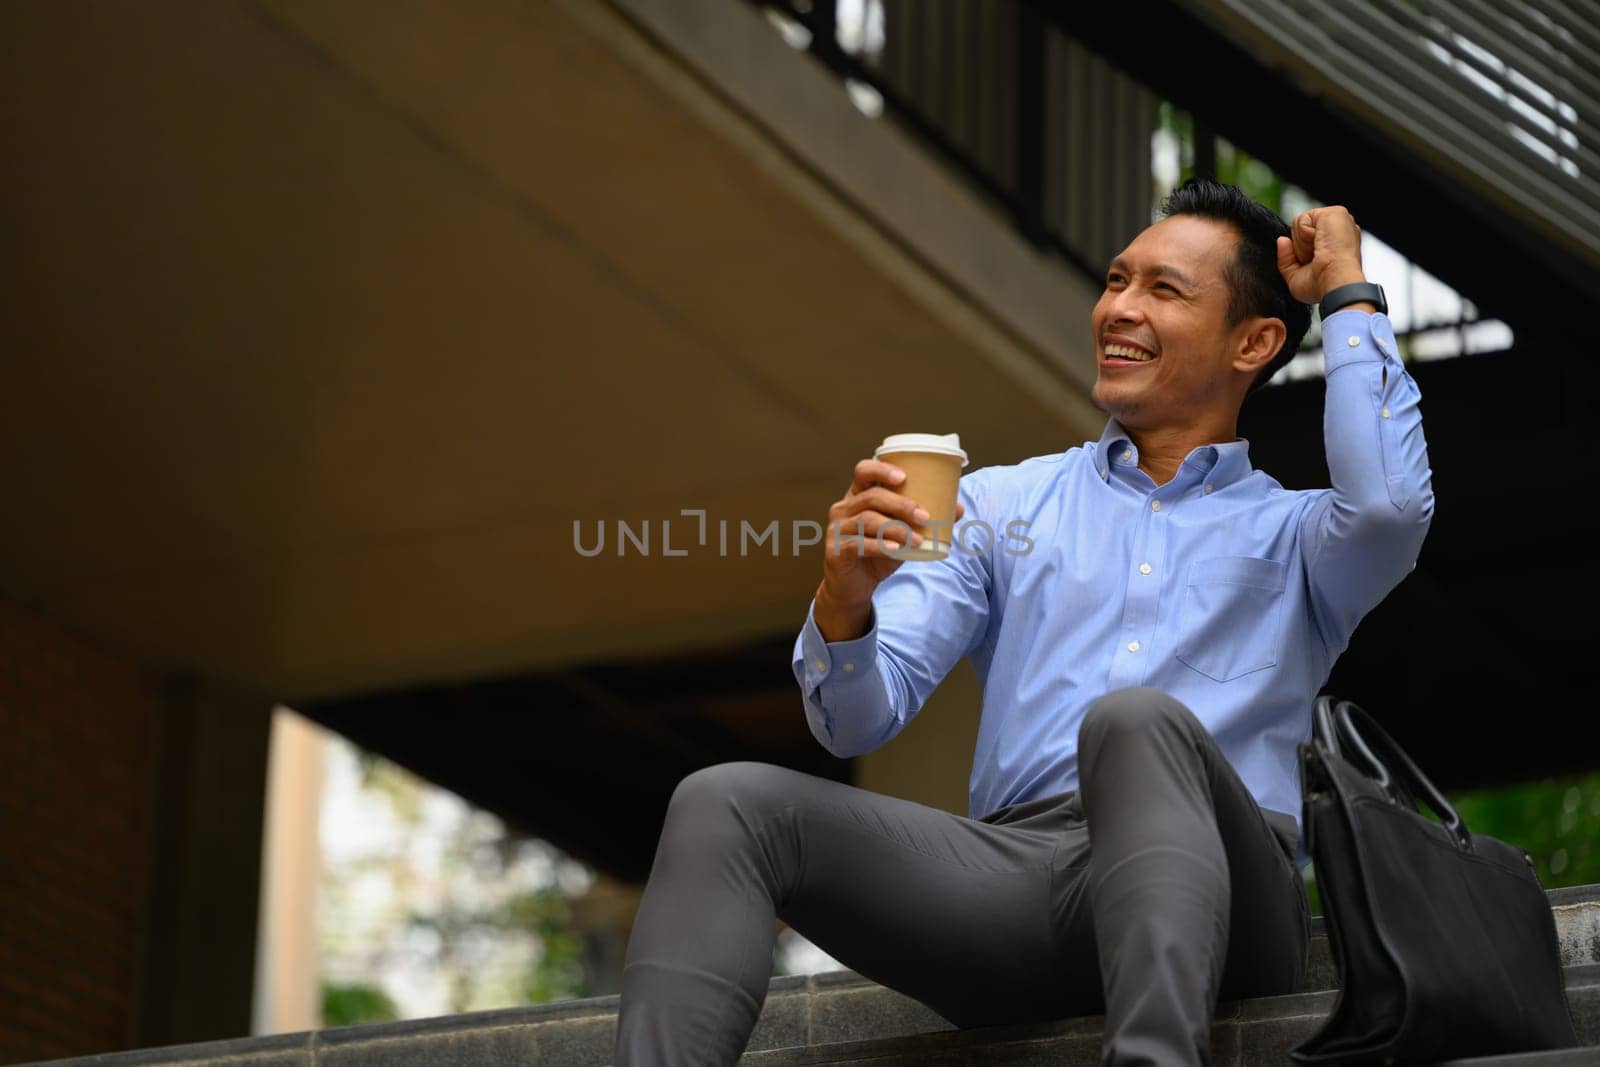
{"points": [[1231, 619]]}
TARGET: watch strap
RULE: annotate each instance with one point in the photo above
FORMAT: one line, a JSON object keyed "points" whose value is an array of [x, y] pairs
{"points": [[1344, 295]]}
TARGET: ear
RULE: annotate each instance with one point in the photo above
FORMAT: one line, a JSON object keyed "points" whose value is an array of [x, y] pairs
{"points": [[1257, 342]]}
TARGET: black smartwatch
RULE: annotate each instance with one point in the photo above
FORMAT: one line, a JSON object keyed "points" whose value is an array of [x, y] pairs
{"points": [[1344, 295]]}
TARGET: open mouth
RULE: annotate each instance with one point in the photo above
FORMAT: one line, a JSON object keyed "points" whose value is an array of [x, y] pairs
{"points": [[1120, 355]]}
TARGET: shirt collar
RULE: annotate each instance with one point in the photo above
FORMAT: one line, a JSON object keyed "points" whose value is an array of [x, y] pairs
{"points": [[1219, 464]]}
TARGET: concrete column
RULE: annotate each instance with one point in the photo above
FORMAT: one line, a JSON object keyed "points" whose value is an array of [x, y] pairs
{"points": [[288, 994], [199, 958]]}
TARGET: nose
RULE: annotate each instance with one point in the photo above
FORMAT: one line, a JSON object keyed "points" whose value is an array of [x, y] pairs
{"points": [[1125, 308]]}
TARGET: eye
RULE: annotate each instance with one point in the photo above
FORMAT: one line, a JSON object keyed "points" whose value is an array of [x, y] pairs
{"points": [[1169, 288]]}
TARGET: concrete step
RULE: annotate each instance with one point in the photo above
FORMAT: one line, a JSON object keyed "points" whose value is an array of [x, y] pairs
{"points": [[1244, 1034], [1577, 914], [1566, 1057], [842, 1018]]}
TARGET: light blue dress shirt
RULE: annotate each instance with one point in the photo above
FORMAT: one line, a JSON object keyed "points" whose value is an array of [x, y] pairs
{"points": [[1221, 587]]}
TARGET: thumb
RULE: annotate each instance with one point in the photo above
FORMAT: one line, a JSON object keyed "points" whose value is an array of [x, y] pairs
{"points": [[1287, 261]]}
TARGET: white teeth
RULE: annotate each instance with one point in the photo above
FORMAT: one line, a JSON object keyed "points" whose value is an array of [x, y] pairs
{"points": [[1124, 352]]}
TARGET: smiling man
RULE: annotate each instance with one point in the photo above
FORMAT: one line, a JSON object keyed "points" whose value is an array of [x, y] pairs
{"points": [[1148, 668]]}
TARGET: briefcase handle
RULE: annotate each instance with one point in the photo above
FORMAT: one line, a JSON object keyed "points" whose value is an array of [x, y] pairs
{"points": [[1342, 727]]}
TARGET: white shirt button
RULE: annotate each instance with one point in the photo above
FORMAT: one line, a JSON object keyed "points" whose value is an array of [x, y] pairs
{"points": [[1144, 568], [1133, 646], [1102, 472], [849, 667], [1127, 453], [1155, 505], [819, 664], [1355, 341], [1209, 488], [1385, 413]]}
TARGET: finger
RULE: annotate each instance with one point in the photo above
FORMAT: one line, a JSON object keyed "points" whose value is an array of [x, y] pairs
{"points": [[1287, 262], [876, 525], [1342, 219], [961, 509], [886, 501], [867, 547], [1305, 236], [871, 472], [869, 530]]}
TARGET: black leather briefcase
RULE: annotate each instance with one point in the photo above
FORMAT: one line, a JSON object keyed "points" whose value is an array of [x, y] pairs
{"points": [[1443, 938]]}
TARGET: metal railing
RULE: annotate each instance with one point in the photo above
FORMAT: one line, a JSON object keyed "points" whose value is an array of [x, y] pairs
{"points": [[1050, 132], [1061, 140]]}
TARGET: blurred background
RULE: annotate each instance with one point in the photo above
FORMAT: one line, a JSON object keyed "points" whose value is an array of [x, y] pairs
{"points": [[406, 410]]}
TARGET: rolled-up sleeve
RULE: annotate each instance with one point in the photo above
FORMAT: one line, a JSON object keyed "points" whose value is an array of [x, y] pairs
{"points": [[926, 616]]}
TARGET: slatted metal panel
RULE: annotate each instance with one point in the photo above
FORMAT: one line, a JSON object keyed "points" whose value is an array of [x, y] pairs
{"points": [[1098, 181], [1054, 133], [955, 62], [1502, 94]]}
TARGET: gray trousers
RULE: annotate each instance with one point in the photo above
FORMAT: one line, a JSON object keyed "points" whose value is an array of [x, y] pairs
{"points": [[1156, 888]]}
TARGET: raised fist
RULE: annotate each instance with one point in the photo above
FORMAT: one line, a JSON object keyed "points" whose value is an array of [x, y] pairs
{"points": [[1323, 253]]}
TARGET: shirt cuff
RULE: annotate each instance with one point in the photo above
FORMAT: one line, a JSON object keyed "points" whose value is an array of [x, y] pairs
{"points": [[1356, 336], [840, 661]]}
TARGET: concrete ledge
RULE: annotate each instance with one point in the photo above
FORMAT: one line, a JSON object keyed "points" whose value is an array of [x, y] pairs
{"points": [[278, 1050], [841, 1017], [838, 1018], [1577, 915]]}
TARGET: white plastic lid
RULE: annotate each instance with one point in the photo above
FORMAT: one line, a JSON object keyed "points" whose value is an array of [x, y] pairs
{"points": [[944, 444]]}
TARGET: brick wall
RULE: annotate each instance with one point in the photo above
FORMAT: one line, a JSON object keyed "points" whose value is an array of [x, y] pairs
{"points": [[78, 733]]}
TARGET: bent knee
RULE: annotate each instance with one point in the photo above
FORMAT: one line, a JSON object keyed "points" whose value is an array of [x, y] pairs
{"points": [[737, 783], [1134, 710]]}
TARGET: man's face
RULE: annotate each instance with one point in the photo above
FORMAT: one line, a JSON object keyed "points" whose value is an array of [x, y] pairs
{"points": [[1166, 294]]}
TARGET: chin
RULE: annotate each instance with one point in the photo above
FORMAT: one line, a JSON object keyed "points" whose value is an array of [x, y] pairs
{"points": [[1112, 400], [1097, 398]]}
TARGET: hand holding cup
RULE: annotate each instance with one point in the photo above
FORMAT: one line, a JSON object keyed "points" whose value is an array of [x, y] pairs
{"points": [[901, 505]]}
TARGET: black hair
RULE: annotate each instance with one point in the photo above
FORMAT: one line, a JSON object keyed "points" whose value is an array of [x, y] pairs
{"points": [[1255, 284]]}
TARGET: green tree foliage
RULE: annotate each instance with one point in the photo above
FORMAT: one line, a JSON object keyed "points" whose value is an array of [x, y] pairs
{"points": [[1556, 820], [445, 896], [347, 1005], [558, 972], [1259, 181], [1234, 167]]}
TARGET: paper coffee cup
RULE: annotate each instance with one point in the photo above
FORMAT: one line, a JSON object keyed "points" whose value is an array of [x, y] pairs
{"points": [[932, 463]]}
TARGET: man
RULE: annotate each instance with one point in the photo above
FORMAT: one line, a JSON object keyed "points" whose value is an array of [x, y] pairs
{"points": [[1149, 666]]}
